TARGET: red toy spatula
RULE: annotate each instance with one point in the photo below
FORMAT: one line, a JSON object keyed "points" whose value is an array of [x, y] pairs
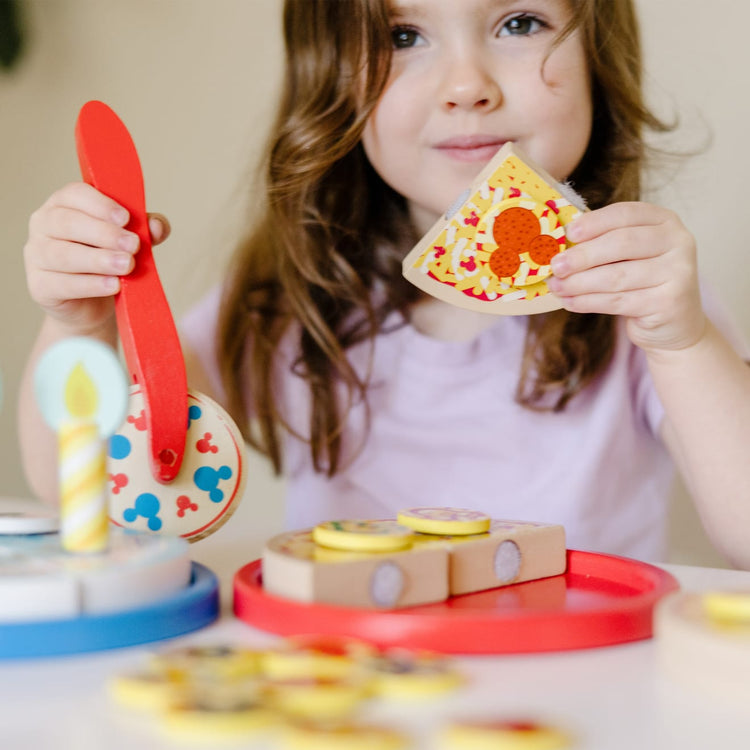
{"points": [[176, 465], [110, 163]]}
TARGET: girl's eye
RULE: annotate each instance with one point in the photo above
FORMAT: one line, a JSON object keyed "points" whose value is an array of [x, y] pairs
{"points": [[404, 37], [521, 25]]}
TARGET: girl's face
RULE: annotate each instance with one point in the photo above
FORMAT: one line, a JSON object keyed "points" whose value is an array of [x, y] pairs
{"points": [[466, 77]]}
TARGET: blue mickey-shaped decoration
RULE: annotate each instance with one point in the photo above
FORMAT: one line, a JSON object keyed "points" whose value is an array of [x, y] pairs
{"points": [[148, 506], [207, 479], [119, 446], [194, 414]]}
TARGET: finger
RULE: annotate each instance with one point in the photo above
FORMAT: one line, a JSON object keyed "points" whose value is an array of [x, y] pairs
{"points": [[611, 277], [91, 201], [159, 227], [69, 257], [67, 286], [73, 225], [637, 303], [628, 243], [593, 224]]}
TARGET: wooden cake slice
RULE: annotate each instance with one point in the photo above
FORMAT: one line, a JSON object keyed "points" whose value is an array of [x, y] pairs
{"points": [[491, 251]]}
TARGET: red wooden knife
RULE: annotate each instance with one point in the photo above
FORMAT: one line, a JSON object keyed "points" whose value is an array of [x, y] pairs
{"points": [[109, 161]]}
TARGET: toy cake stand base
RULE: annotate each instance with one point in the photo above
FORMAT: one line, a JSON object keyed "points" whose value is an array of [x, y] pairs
{"points": [[600, 600], [191, 608]]}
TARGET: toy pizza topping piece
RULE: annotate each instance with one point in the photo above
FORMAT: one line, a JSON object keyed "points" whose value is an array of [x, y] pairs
{"points": [[316, 697], [504, 735], [398, 674], [343, 737], [147, 690], [728, 607], [314, 656], [363, 536], [208, 662], [492, 252], [214, 714], [702, 643], [445, 521]]}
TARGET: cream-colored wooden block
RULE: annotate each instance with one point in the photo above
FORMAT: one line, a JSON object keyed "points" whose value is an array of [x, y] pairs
{"points": [[510, 552], [296, 568]]}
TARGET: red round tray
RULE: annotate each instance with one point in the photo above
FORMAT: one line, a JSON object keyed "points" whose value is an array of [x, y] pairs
{"points": [[599, 601]]}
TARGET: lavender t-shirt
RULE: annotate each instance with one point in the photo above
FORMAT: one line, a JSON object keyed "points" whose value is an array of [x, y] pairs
{"points": [[445, 430]]}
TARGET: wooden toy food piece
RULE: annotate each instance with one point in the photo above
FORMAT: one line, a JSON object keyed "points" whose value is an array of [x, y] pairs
{"points": [[315, 656], [510, 552], [205, 492], [314, 736], [148, 690], [216, 713], [401, 674], [363, 536], [39, 581], [295, 567], [492, 252], [703, 641], [21, 516], [454, 521], [503, 735], [177, 464], [319, 698], [208, 663], [172, 677]]}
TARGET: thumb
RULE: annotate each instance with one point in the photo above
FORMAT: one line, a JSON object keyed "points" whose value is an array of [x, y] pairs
{"points": [[158, 226]]}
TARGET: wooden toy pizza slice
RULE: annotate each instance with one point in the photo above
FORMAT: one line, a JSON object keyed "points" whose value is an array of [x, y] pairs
{"points": [[491, 251], [176, 465]]}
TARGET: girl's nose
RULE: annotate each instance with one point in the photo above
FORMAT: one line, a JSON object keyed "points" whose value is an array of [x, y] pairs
{"points": [[468, 83]]}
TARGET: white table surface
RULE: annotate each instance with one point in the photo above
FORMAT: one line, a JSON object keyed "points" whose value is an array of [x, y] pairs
{"points": [[610, 698]]}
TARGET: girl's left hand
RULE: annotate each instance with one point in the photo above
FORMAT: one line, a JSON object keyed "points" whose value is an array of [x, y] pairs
{"points": [[639, 261]]}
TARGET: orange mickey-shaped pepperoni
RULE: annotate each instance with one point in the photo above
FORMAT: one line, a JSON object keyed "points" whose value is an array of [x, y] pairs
{"points": [[519, 234], [504, 262], [543, 248], [514, 228]]}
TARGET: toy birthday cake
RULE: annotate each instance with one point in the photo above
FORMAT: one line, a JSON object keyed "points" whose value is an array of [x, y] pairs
{"points": [[138, 588], [40, 581]]}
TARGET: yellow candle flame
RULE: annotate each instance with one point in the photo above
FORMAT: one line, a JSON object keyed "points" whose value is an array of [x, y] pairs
{"points": [[81, 398]]}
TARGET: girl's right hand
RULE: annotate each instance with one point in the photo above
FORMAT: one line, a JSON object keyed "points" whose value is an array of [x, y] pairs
{"points": [[77, 250]]}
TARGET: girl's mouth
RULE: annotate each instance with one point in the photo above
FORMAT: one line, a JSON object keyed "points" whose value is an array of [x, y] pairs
{"points": [[470, 148]]}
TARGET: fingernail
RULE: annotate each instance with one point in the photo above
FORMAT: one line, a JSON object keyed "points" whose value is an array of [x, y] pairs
{"points": [[128, 243], [156, 229], [573, 232], [121, 263], [120, 216], [111, 284], [560, 265]]}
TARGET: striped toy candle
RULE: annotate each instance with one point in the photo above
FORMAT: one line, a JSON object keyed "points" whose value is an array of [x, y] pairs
{"points": [[82, 469], [82, 392]]}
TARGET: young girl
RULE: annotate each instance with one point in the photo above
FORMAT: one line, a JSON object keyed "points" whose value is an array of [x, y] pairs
{"points": [[372, 397]]}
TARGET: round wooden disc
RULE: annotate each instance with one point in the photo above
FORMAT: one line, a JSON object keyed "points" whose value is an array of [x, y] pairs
{"points": [[208, 486]]}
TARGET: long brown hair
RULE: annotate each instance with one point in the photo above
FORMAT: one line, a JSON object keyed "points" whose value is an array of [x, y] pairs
{"points": [[330, 232]]}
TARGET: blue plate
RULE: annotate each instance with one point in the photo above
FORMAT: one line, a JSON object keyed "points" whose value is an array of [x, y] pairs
{"points": [[190, 609]]}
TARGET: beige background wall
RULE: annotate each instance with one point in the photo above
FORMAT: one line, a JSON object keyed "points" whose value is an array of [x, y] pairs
{"points": [[195, 81]]}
